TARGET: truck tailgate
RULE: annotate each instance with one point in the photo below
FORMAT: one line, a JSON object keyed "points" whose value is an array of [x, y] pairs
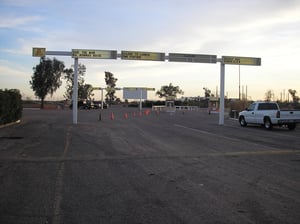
{"points": [[289, 116]]}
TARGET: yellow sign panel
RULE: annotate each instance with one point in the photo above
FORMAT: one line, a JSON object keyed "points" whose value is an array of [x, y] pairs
{"points": [[139, 55], [236, 60], [94, 54], [38, 52]]}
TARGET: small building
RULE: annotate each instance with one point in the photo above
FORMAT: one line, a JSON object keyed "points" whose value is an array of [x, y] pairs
{"points": [[213, 104], [170, 104]]}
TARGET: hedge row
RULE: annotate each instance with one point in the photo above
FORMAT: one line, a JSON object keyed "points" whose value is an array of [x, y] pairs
{"points": [[10, 105]]}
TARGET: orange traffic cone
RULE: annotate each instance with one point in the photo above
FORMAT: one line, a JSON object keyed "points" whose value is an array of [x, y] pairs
{"points": [[112, 116], [125, 115]]}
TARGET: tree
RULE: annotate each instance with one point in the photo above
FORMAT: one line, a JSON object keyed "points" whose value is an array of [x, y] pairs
{"points": [[293, 94], [207, 92], [169, 91], [46, 78], [69, 77], [85, 91], [110, 87], [269, 95]]}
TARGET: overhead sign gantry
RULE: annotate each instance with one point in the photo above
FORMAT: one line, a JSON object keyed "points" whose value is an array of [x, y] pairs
{"points": [[149, 56]]}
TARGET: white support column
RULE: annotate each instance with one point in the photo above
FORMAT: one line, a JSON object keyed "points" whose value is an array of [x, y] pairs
{"points": [[75, 92], [141, 99], [101, 98], [222, 89]]}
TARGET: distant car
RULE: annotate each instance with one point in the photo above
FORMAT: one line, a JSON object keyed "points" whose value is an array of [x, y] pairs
{"points": [[84, 105], [87, 105], [105, 106], [97, 105]]}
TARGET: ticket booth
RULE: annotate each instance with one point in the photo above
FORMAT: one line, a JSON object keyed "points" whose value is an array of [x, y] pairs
{"points": [[213, 105], [170, 106], [170, 103]]}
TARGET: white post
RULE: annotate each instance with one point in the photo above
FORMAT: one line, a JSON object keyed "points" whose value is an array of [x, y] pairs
{"points": [[75, 91], [222, 89], [141, 99], [102, 98], [239, 82]]}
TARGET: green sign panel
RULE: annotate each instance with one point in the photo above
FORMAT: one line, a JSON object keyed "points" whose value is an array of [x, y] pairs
{"points": [[198, 58], [138, 88], [236, 60]]}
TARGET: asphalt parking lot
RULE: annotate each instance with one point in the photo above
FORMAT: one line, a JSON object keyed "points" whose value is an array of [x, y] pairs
{"points": [[146, 168]]}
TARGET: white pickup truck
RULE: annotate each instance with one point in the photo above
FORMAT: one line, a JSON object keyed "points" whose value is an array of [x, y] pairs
{"points": [[268, 114]]}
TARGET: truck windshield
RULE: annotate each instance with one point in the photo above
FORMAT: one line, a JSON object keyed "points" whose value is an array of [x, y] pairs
{"points": [[267, 106]]}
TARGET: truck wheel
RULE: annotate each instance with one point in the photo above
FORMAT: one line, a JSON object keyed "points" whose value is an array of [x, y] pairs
{"points": [[242, 121], [291, 126], [268, 124]]}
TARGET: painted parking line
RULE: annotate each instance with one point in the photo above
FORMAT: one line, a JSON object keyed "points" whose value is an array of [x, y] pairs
{"points": [[10, 124], [270, 151], [59, 180], [136, 158], [257, 152], [205, 132]]}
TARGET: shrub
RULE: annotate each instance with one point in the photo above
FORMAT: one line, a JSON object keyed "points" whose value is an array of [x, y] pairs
{"points": [[10, 105]]}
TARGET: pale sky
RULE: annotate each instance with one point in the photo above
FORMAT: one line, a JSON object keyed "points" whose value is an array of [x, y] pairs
{"points": [[268, 29]]}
